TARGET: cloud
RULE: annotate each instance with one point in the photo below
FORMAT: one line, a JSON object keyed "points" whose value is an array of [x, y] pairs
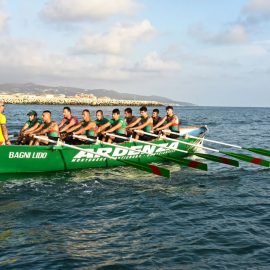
{"points": [[4, 17], [258, 6], [236, 34], [86, 10], [3, 21], [153, 62], [32, 61], [120, 39], [256, 12]]}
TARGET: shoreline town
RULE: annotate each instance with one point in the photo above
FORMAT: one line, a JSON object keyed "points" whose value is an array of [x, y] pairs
{"points": [[80, 99]]}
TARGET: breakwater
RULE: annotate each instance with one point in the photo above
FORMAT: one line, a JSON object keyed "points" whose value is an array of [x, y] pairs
{"points": [[55, 100]]}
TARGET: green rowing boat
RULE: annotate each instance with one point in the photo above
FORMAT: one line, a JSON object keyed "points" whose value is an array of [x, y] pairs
{"points": [[33, 159]]}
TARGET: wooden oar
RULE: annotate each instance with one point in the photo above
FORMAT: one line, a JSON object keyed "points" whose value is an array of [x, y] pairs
{"points": [[214, 158], [160, 171], [186, 162], [247, 158], [260, 151]]}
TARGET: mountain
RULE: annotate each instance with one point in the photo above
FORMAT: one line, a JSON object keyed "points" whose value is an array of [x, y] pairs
{"points": [[31, 88]]}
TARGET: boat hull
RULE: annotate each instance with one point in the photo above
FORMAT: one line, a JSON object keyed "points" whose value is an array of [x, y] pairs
{"points": [[34, 159]]}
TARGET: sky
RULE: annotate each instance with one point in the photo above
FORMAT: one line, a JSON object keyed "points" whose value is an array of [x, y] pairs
{"points": [[206, 52]]}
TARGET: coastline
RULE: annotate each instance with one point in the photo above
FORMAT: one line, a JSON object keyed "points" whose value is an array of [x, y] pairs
{"points": [[56, 100]]}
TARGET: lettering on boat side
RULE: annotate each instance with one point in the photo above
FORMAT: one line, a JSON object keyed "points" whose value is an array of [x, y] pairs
{"points": [[120, 153], [36, 155]]}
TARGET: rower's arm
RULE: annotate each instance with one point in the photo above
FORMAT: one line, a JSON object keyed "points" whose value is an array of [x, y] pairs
{"points": [[133, 123], [45, 130], [5, 134], [101, 128], [32, 128], [24, 127], [135, 119], [38, 129], [174, 120], [61, 123], [160, 122], [90, 126], [71, 123], [148, 122], [114, 128], [73, 128]]}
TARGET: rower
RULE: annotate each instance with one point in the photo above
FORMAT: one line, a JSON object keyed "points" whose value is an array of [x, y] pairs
{"points": [[68, 120], [155, 116], [100, 121], [170, 121], [48, 130], [86, 128], [29, 127], [129, 118], [145, 123], [117, 126], [3, 128]]}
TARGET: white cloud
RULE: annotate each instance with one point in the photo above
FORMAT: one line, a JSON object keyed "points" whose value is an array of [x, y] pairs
{"points": [[3, 20], [31, 61], [153, 62], [237, 34], [83, 10], [258, 6], [3, 16], [120, 39]]}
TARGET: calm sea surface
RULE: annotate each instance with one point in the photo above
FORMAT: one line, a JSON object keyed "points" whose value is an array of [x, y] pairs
{"points": [[123, 219]]}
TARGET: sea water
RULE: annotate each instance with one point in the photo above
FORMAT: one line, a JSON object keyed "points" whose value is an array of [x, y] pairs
{"points": [[122, 218]]}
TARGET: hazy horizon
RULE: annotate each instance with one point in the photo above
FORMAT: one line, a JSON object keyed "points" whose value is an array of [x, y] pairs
{"points": [[210, 53]]}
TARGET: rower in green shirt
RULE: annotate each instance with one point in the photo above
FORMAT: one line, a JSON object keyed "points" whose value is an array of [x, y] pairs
{"points": [[48, 130], [100, 121], [145, 124], [117, 126], [29, 127], [86, 128]]}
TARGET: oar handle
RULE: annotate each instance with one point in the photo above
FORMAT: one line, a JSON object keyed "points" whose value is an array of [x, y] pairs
{"points": [[118, 136], [45, 139], [84, 138]]}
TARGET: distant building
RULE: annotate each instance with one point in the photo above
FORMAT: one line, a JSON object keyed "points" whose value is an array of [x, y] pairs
{"points": [[49, 96]]}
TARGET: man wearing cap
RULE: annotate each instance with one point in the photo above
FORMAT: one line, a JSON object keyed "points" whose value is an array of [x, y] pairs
{"points": [[3, 128], [29, 127]]}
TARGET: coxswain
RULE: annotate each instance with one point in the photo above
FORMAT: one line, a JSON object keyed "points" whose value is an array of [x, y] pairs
{"points": [[48, 130], [171, 122], [29, 127], [116, 126], [68, 120], [3, 128], [86, 128], [145, 124]]}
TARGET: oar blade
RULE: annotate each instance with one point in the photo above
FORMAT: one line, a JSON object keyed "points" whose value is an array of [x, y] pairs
{"points": [[189, 163], [250, 159], [150, 168], [260, 151], [218, 159]]}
